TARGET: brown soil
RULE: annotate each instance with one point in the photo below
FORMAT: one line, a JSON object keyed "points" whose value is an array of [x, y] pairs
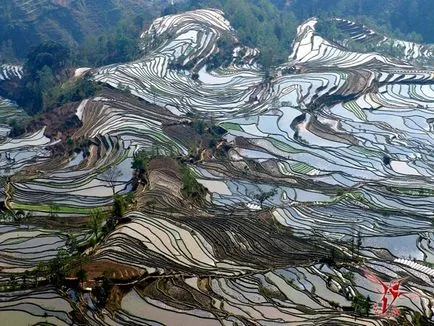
{"points": [[164, 177], [114, 302], [185, 134], [56, 122], [114, 271]]}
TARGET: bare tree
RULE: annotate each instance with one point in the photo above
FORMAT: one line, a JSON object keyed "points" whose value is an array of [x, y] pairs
{"points": [[112, 176]]}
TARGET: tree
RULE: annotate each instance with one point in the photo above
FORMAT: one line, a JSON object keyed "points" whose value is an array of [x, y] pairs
{"points": [[361, 305], [112, 175], [51, 54], [119, 206], [17, 129], [102, 291], [386, 160], [359, 242], [12, 282], [41, 270], [24, 280], [19, 215], [54, 208], [262, 196], [96, 219], [72, 243], [192, 189], [54, 269], [45, 78], [81, 275]]}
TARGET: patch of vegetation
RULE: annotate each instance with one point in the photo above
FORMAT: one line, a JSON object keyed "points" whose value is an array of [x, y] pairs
{"points": [[102, 291], [258, 24], [402, 19], [348, 275], [116, 44], [271, 293], [420, 320], [334, 304], [140, 165], [17, 128], [361, 305], [97, 217], [43, 84], [411, 191], [192, 189], [329, 29], [223, 58], [75, 24], [50, 209], [70, 92], [262, 196], [305, 309], [56, 270], [120, 206]]}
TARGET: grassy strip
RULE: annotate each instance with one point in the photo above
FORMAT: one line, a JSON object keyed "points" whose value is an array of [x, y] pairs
{"points": [[283, 146], [47, 209], [367, 151], [302, 168], [356, 110], [230, 126]]}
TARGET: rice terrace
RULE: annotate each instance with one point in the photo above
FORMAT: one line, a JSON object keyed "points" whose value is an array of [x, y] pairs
{"points": [[204, 182]]}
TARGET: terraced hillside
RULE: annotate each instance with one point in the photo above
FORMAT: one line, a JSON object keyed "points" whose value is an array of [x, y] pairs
{"points": [[317, 188], [352, 34]]}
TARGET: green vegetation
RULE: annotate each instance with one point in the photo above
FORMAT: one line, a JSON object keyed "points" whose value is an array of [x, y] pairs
{"points": [[271, 25], [329, 29], [55, 270], [262, 196], [271, 293], [120, 206], [141, 159], [102, 291], [117, 44], [17, 128], [349, 275], [399, 18], [43, 70], [54, 208], [267, 25], [258, 24], [420, 320], [43, 84], [226, 45], [70, 92], [81, 275], [96, 219], [140, 165], [49, 208], [334, 304], [47, 59], [73, 23], [361, 305], [192, 189]]}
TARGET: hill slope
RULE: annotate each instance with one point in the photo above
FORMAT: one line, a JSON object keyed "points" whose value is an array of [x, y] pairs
{"points": [[27, 23]]}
